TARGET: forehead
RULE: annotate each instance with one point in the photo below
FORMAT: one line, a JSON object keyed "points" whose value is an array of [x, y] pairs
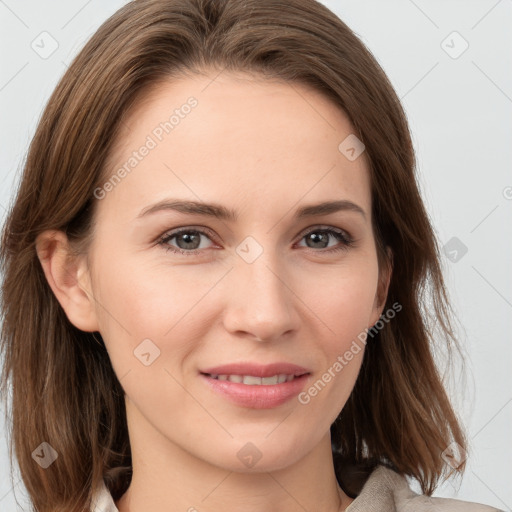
{"points": [[237, 139]]}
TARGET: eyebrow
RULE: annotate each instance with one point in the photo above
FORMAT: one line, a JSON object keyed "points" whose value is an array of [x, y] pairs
{"points": [[221, 212]]}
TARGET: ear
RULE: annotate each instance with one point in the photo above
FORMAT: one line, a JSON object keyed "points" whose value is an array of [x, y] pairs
{"points": [[68, 278], [382, 288]]}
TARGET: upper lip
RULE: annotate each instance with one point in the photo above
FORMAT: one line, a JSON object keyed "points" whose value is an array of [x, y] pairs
{"points": [[257, 370]]}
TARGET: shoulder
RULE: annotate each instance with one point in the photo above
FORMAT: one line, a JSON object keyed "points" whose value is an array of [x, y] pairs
{"points": [[386, 490]]}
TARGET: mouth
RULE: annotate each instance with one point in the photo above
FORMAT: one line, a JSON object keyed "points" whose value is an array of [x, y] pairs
{"points": [[256, 387], [253, 380]]}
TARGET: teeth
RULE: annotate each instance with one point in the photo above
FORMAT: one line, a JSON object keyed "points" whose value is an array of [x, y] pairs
{"points": [[255, 381], [249, 379]]}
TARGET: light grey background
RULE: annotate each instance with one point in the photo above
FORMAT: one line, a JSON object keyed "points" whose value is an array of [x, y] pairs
{"points": [[459, 108]]}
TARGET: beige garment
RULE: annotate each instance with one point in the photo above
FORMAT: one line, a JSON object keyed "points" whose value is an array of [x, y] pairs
{"points": [[387, 491], [384, 491]]}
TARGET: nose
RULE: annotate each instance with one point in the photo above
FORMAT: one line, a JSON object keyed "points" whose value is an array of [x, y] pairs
{"points": [[260, 303]]}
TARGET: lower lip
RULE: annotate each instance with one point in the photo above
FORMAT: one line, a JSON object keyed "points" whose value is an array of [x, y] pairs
{"points": [[256, 396]]}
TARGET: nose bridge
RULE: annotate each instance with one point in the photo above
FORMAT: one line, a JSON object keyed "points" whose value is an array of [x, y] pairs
{"points": [[261, 302]]}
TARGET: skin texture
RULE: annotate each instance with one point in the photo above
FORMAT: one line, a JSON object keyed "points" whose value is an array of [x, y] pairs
{"points": [[263, 149]]}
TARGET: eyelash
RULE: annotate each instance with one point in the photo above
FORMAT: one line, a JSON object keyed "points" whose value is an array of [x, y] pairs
{"points": [[342, 236]]}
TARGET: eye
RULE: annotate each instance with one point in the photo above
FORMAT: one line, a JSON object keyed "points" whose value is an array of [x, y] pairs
{"points": [[188, 240], [319, 237]]}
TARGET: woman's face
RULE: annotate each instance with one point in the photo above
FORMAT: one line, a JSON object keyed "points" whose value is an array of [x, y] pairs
{"points": [[279, 281]]}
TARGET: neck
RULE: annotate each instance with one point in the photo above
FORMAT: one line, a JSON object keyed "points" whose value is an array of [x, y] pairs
{"points": [[168, 478]]}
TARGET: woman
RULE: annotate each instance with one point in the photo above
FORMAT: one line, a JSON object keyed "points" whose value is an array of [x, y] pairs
{"points": [[214, 271]]}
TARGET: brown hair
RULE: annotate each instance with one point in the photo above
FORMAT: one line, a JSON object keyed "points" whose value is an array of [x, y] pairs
{"points": [[65, 391]]}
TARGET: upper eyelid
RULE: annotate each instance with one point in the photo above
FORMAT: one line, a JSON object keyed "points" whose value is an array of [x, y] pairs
{"points": [[176, 231], [325, 227]]}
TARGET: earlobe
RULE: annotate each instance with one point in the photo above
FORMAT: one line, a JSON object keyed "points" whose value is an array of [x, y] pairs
{"points": [[68, 277]]}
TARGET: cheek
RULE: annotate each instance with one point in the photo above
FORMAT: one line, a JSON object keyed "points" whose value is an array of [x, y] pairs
{"points": [[344, 310], [342, 299], [137, 301], [343, 305]]}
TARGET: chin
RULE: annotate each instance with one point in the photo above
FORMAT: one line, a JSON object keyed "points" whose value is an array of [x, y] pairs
{"points": [[262, 451]]}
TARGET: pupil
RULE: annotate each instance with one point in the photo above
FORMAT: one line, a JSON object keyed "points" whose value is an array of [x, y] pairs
{"points": [[189, 239], [316, 238]]}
